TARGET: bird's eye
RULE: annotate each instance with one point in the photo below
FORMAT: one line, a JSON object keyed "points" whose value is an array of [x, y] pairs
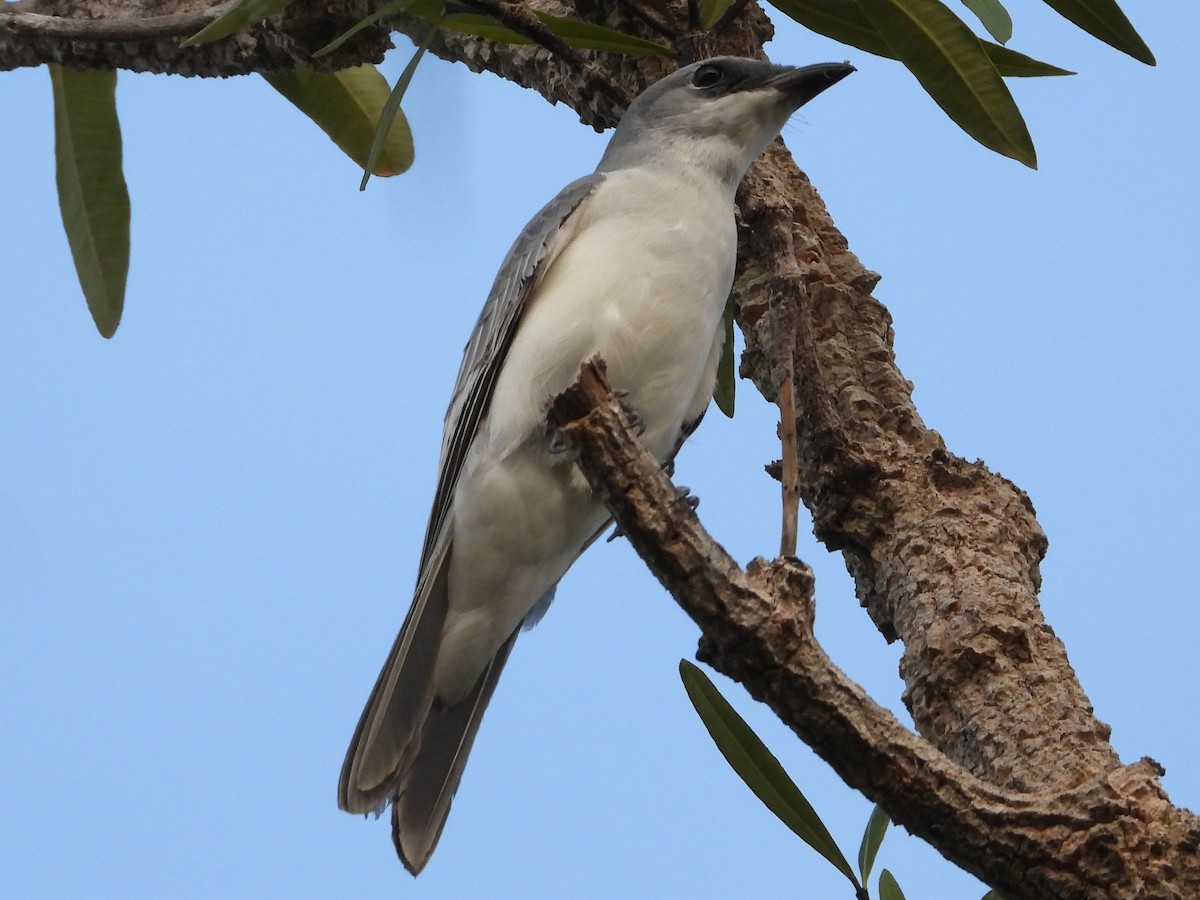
{"points": [[707, 76]]}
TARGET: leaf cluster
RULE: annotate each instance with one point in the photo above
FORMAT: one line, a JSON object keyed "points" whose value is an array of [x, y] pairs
{"points": [[961, 71]]}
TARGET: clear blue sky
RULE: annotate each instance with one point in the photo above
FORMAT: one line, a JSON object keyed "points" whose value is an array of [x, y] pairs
{"points": [[209, 525]]}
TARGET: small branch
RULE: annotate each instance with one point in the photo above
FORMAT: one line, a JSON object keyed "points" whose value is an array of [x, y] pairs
{"points": [[649, 20], [116, 29], [790, 464], [783, 327]]}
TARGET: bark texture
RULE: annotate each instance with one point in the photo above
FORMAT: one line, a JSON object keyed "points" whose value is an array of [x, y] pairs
{"points": [[1010, 774]]}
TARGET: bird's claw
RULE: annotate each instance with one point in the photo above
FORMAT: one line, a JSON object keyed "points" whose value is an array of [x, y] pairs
{"points": [[636, 420], [684, 495], [557, 443]]}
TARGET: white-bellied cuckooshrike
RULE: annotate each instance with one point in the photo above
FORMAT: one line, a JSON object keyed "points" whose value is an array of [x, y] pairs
{"points": [[633, 263]]}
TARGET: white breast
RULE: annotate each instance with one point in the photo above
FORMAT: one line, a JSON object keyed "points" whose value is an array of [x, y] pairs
{"points": [[642, 282]]}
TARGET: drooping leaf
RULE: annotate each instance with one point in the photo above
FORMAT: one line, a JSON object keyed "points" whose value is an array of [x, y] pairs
{"points": [[888, 888], [872, 837], [389, 9], [242, 14], [993, 16], [725, 390], [391, 109], [948, 60], [1012, 64], [347, 106], [92, 194], [844, 20], [1104, 19], [712, 10], [758, 767]]}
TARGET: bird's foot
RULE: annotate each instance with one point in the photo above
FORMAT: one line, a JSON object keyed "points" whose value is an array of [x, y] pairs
{"points": [[636, 420], [557, 443], [684, 495]]}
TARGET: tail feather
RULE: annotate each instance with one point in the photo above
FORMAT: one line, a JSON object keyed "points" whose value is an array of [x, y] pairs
{"points": [[389, 730], [409, 749], [422, 800]]}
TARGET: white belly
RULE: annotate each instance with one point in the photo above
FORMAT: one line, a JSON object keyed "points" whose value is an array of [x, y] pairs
{"points": [[649, 301]]}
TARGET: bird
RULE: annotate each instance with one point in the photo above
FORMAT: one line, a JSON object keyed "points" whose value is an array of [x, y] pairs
{"points": [[633, 263]]}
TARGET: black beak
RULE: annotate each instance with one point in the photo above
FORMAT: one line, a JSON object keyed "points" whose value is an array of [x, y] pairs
{"points": [[805, 82]]}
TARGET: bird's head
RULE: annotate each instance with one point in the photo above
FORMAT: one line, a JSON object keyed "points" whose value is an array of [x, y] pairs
{"points": [[719, 114]]}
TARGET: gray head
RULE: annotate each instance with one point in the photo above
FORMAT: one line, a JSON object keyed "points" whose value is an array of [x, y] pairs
{"points": [[718, 114]]}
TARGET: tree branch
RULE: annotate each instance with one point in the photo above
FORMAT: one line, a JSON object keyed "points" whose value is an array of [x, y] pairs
{"points": [[1075, 841], [144, 36], [124, 29], [945, 554]]}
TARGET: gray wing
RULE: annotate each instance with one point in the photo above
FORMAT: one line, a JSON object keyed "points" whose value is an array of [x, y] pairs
{"points": [[407, 747], [488, 346]]}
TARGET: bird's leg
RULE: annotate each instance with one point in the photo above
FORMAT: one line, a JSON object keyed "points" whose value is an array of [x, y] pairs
{"points": [[636, 420]]}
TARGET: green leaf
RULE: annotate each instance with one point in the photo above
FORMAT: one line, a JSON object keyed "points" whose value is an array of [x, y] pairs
{"points": [[993, 17], [580, 35], [845, 21], [483, 26], [948, 60], [725, 390], [242, 14], [888, 888], [1105, 20], [92, 194], [347, 106], [391, 109], [756, 766], [871, 839], [712, 10], [841, 20], [1012, 64], [586, 36], [388, 10]]}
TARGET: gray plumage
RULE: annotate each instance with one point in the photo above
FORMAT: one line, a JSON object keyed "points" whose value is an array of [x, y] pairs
{"points": [[633, 262]]}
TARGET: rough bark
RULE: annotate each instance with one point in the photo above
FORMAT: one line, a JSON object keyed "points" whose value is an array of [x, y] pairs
{"points": [[1109, 831], [1010, 774]]}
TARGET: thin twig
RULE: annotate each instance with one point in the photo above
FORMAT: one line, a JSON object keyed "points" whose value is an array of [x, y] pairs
{"points": [[790, 461], [649, 19]]}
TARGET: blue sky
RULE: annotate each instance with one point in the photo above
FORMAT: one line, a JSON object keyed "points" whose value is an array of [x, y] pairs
{"points": [[209, 525]]}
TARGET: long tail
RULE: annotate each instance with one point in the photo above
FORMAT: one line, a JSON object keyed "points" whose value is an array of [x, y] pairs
{"points": [[409, 749], [422, 800]]}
